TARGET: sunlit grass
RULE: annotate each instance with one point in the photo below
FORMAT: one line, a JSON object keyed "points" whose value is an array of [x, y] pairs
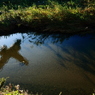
{"points": [[50, 17]]}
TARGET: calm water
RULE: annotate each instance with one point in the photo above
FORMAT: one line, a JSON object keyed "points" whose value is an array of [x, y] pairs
{"points": [[49, 64]]}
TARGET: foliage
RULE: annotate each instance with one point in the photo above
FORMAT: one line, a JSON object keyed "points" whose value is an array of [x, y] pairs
{"points": [[2, 81], [11, 89], [51, 16]]}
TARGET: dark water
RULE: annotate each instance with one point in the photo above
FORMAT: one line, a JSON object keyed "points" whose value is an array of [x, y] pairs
{"points": [[49, 64]]}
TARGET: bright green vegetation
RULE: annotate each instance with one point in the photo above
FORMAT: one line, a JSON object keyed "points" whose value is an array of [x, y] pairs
{"points": [[2, 81], [68, 17], [11, 89], [8, 89]]}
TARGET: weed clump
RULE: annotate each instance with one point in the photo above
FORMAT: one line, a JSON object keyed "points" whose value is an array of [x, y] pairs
{"points": [[11, 89]]}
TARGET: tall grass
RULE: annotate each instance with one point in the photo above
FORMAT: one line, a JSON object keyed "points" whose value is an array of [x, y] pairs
{"points": [[53, 16]]}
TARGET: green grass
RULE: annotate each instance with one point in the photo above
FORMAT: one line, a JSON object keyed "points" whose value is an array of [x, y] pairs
{"points": [[66, 17]]}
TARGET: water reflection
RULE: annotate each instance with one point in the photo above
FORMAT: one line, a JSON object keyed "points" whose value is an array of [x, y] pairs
{"points": [[82, 59], [12, 52], [41, 38], [56, 60], [79, 51]]}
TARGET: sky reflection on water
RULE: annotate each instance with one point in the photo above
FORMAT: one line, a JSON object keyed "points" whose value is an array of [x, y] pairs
{"points": [[64, 61]]}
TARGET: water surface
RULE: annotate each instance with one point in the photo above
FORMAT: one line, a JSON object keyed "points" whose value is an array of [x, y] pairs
{"points": [[49, 64]]}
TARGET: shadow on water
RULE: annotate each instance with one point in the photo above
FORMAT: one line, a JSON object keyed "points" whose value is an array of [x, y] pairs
{"points": [[12, 52]]}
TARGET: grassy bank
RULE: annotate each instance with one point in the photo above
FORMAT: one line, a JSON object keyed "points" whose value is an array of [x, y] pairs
{"points": [[68, 17]]}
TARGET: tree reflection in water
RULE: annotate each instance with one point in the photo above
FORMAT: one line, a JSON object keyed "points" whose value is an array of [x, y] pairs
{"points": [[76, 54], [73, 61], [40, 38], [12, 52]]}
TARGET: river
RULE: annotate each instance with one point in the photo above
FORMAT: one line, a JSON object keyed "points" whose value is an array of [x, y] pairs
{"points": [[49, 63]]}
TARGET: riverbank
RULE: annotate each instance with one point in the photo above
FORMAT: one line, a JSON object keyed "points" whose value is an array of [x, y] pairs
{"points": [[52, 17]]}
